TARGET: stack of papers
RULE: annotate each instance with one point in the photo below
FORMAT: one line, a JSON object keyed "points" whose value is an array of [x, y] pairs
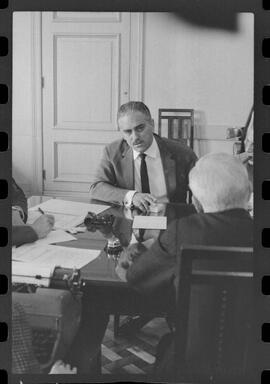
{"points": [[34, 263], [67, 214], [57, 236], [52, 256]]}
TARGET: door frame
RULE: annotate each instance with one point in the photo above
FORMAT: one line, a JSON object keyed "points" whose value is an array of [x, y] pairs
{"points": [[36, 87], [136, 86]]}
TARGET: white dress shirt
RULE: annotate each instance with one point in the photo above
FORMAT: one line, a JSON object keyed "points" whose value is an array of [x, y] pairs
{"points": [[155, 172]]}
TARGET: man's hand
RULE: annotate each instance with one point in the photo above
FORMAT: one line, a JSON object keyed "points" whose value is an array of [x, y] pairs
{"points": [[130, 254], [143, 201], [124, 260], [16, 218], [43, 225], [127, 257], [122, 265], [62, 369], [135, 250]]}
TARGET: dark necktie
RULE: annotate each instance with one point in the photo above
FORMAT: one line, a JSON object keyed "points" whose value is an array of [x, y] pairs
{"points": [[144, 175], [145, 187]]}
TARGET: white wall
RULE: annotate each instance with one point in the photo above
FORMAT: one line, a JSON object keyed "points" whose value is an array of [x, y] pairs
{"points": [[209, 70], [185, 66]]}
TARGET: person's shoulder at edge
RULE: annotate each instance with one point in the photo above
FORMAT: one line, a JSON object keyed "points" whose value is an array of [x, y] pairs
{"points": [[229, 222], [240, 213], [196, 221], [19, 199], [22, 234], [179, 229]]}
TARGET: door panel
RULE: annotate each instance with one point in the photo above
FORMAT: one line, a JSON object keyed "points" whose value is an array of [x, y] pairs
{"points": [[66, 169], [92, 74], [86, 66], [87, 16]]}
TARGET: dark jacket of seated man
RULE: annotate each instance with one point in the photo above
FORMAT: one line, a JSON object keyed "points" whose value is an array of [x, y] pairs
{"points": [[115, 174], [21, 233], [221, 191], [153, 273], [154, 270], [19, 200]]}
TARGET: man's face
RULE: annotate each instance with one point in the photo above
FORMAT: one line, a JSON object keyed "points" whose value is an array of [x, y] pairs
{"points": [[137, 130]]}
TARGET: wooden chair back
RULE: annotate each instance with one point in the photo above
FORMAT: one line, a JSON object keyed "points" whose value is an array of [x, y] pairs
{"points": [[214, 315], [177, 124]]}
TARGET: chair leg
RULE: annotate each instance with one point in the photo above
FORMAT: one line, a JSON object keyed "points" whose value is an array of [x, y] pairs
{"points": [[116, 325]]}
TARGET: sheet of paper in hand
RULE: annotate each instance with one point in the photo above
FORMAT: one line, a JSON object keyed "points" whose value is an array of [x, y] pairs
{"points": [[150, 222]]}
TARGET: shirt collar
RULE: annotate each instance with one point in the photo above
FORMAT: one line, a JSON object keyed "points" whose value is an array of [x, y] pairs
{"points": [[152, 151]]}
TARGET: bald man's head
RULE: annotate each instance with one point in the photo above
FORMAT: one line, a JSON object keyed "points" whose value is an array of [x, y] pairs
{"points": [[219, 182]]}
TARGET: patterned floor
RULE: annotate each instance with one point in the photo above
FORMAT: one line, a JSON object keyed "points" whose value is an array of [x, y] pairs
{"points": [[134, 354]]}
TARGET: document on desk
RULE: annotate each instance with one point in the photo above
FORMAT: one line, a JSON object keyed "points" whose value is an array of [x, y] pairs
{"points": [[65, 222], [67, 214], [69, 207], [57, 236], [62, 221], [150, 222], [53, 255]]}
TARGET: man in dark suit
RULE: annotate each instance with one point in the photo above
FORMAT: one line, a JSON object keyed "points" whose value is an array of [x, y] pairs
{"points": [[221, 190], [142, 167]]}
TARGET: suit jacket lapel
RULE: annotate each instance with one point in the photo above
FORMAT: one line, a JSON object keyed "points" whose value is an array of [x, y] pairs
{"points": [[169, 167], [127, 166]]}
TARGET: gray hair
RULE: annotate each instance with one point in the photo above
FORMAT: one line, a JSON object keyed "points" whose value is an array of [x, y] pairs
{"points": [[134, 106], [219, 181]]}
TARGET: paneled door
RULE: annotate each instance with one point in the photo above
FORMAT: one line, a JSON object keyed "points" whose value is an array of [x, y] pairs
{"points": [[86, 74]]}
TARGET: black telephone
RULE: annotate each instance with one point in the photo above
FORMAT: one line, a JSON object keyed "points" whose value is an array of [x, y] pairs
{"points": [[94, 222]]}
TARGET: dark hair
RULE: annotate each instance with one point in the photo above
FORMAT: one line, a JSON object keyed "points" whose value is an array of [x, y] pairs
{"points": [[132, 106]]}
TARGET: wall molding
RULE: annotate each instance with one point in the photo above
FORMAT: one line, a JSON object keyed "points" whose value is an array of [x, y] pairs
{"points": [[114, 17], [136, 55], [36, 87]]}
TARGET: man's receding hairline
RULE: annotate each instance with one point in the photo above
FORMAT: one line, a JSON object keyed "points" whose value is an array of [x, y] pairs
{"points": [[134, 106], [123, 114]]}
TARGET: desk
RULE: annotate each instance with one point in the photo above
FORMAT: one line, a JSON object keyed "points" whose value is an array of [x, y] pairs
{"points": [[101, 282], [104, 292]]}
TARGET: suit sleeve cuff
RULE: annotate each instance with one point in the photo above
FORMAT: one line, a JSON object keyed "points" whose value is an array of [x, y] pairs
{"points": [[128, 198]]}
